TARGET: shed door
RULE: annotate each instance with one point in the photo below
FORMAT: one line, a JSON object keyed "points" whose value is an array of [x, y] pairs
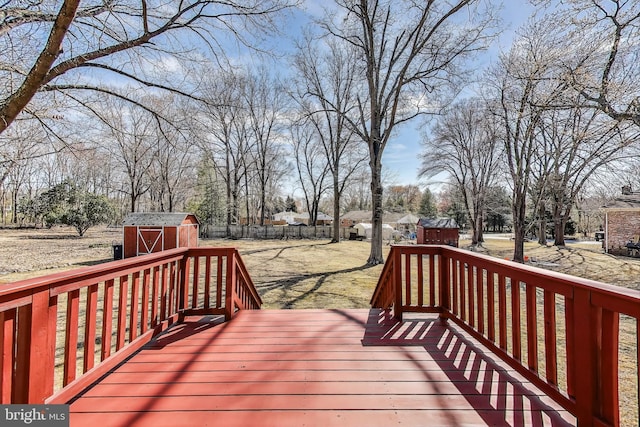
{"points": [[150, 240]]}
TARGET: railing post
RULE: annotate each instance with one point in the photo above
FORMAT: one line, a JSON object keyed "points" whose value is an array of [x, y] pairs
{"points": [[397, 282], [584, 356], [608, 396], [38, 349], [229, 308], [443, 281]]}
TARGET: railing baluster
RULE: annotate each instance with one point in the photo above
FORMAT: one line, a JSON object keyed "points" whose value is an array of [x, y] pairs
{"points": [[432, 277], [532, 327], [516, 328], [570, 338], [122, 312], [491, 316], [91, 318], [550, 347], [107, 319], [144, 316], [420, 279], [502, 310], [464, 267], [456, 275], [155, 295], [407, 279], [133, 316], [207, 282], [471, 296], [480, 290], [165, 296]]}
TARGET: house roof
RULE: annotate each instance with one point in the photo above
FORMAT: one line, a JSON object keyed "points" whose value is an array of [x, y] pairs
{"points": [[387, 217], [301, 215], [156, 218], [630, 201], [437, 223], [357, 215], [408, 219]]}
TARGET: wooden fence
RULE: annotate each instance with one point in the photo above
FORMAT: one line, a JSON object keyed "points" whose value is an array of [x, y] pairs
{"points": [[272, 232]]}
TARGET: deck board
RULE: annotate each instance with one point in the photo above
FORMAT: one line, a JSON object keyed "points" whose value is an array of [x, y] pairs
{"points": [[314, 368]]}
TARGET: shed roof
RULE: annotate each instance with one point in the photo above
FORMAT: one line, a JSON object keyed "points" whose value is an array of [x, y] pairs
{"points": [[437, 223], [156, 218]]}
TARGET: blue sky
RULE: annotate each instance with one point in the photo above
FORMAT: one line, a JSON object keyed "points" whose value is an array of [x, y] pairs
{"points": [[401, 157]]}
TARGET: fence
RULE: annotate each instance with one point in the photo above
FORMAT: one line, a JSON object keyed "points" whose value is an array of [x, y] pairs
{"points": [[272, 232]]}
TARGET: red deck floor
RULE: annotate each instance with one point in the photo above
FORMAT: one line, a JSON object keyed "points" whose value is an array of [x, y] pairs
{"points": [[314, 368]]}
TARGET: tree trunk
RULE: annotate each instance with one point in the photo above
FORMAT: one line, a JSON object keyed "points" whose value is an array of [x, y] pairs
{"points": [[336, 210], [558, 226], [542, 226], [519, 225], [375, 257]]}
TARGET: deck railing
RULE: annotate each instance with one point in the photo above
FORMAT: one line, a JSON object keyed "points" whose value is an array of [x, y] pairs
{"points": [[60, 332], [560, 332]]}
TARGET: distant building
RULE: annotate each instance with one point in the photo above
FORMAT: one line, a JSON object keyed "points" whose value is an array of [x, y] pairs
{"points": [[438, 231], [621, 222], [297, 218], [146, 233]]}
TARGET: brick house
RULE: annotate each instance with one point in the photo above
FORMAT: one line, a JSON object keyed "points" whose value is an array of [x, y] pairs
{"points": [[621, 222]]}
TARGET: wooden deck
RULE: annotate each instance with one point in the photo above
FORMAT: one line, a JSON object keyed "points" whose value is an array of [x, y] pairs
{"points": [[314, 368]]}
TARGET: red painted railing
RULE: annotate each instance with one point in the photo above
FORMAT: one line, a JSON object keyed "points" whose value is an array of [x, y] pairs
{"points": [[61, 332], [559, 331]]}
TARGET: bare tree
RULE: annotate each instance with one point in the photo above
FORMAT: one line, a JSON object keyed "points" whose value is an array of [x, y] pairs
{"points": [[601, 53], [172, 171], [410, 54], [265, 106], [327, 95], [133, 142], [464, 143], [107, 36], [312, 166], [575, 143], [523, 86], [224, 134]]}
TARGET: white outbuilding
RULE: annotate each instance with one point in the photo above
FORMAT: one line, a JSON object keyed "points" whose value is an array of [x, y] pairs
{"points": [[365, 230]]}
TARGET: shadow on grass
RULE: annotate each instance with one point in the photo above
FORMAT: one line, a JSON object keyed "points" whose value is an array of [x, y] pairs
{"points": [[291, 282]]}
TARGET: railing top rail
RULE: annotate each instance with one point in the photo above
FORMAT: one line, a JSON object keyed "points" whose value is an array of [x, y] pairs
{"points": [[103, 271]]}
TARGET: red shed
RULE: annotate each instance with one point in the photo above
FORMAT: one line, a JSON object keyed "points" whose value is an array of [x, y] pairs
{"points": [[145, 233], [439, 231]]}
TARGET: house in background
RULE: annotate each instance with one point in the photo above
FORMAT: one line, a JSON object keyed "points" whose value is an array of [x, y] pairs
{"points": [[621, 222], [352, 218], [298, 218], [401, 221]]}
